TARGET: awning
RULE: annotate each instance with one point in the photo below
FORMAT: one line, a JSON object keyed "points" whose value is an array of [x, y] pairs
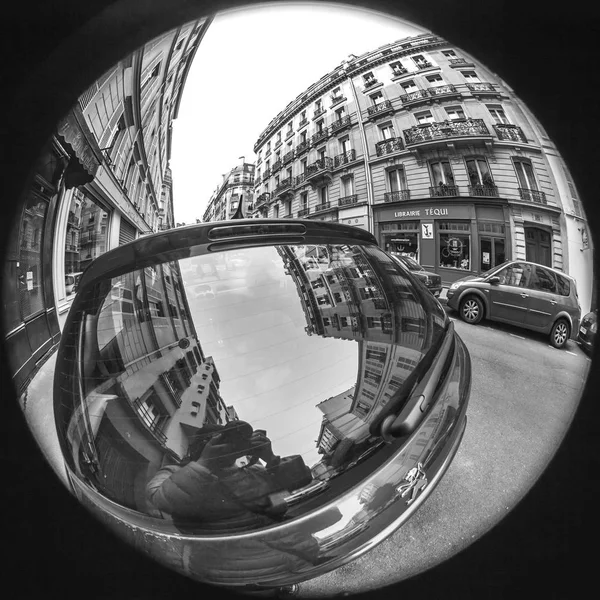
{"points": [[82, 147]]}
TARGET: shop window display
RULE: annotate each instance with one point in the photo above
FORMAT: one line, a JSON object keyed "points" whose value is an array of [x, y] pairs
{"points": [[454, 245]]}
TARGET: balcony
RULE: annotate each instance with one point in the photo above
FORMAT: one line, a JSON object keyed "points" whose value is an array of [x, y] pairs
{"points": [[483, 189], [319, 172], [397, 196], [446, 129], [283, 186], [300, 179], [398, 72], [319, 136], [340, 124], [389, 146], [324, 206], [318, 112], [460, 62], [276, 166], [345, 158], [303, 123], [533, 196], [423, 64], [267, 173], [443, 190], [348, 200], [263, 199], [303, 212], [512, 133], [413, 97], [302, 147], [288, 157], [337, 99], [442, 90], [482, 89], [380, 109]]}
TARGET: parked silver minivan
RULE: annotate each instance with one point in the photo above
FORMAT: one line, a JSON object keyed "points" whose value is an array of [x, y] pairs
{"points": [[521, 293]]}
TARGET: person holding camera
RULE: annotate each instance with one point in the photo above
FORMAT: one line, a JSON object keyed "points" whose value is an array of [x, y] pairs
{"points": [[209, 488]]}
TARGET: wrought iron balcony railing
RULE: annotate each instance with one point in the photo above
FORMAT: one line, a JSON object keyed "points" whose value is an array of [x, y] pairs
{"points": [[320, 135], [459, 61], [263, 198], [397, 196], [443, 190], [533, 196], [318, 112], [325, 205], [481, 87], [380, 108], [303, 212], [446, 129], [283, 185], [276, 166], [397, 72], [346, 157], [424, 64], [288, 157], [267, 173], [322, 164], [483, 189], [302, 147], [340, 124], [369, 83], [303, 122], [416, 96], [346, 200], [300, 179], [442, 90], [337, 99], [506, 131], [389, 146]]}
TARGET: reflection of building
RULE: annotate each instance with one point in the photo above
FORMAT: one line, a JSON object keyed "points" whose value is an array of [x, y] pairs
{"points": [[102, 181], [150, 389], [237, 186], [434, 154]]}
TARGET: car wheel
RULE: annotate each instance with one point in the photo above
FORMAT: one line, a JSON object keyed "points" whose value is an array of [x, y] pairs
{"points": [[471, 309], [559, 334]]}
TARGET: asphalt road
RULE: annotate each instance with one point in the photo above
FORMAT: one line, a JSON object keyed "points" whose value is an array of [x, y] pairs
{"points": [[523, 396]]}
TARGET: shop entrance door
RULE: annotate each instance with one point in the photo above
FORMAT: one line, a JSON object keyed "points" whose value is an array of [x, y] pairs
{"points": [[538, 246]]}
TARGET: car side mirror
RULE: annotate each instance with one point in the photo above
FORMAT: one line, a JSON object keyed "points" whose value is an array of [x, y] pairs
{"points": [[495, 280]]}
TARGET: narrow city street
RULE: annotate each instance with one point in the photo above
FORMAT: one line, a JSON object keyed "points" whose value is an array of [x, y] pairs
{"points": [[523, 395]]}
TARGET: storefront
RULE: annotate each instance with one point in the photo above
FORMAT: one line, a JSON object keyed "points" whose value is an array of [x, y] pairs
{"points": [[453, 240]]}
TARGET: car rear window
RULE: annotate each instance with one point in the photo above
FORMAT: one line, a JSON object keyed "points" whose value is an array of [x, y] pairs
{"points": [[564, 285]]}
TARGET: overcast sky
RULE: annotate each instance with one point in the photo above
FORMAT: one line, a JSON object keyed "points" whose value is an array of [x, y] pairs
{"points": [[249, 66]]}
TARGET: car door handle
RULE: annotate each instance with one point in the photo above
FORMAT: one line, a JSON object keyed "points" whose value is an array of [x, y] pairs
{"points": [[553, 302], [524, 295]]}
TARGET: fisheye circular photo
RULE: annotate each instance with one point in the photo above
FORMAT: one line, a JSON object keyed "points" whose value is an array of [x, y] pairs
{"points": [[298, 299]]}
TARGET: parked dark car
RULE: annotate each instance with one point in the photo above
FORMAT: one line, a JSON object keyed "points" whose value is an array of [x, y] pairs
{"points": [[234, 429], [521, 293], [587, 331], [432, 281]]}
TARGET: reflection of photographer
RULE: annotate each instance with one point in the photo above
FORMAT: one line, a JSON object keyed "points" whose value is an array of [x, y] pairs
{"points": [[209, 486]]}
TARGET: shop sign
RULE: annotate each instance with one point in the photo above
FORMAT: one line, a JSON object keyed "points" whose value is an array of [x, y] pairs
{"points": [[455, 246], [452, 212], [427, 231]]}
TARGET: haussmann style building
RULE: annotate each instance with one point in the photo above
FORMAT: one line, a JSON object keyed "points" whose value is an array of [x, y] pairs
{"points": [[435, 155], [236, 188]]}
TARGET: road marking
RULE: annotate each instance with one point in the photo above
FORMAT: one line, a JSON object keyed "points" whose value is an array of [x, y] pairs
{"points": [[517, 336]]}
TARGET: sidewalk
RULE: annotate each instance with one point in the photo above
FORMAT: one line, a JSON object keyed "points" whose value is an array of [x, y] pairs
{"points": [[443, 297]]}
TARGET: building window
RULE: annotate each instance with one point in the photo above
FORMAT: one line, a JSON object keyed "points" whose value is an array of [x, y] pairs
{"points": [[421, 62], [303, 165], [278, 138], [409, 87], [369, 78], [449, 53], [470, 76], [479, 172], [303, 137], [268, 147], [320, 125], [303, 116], [340, 113], [345, 145], [396, 180], [398, 68], [525, 174], [498, 114], [289, 128], [441, 173], [424, 117], [492, 245], [304, 200], [455, 112], [376, 98], [435, 79], [323, 195], [454, 243], [347, 186], [386, 131], [276, 211]]}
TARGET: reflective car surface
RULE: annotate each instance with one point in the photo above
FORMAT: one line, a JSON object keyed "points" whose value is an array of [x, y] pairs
{"points": [[272, 428], [587, 331], [432, 281], [521, 293]]}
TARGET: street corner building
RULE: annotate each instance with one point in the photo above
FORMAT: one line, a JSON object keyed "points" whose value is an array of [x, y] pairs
{"points": [[435, 155], [102, 181], [235, 193]]}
